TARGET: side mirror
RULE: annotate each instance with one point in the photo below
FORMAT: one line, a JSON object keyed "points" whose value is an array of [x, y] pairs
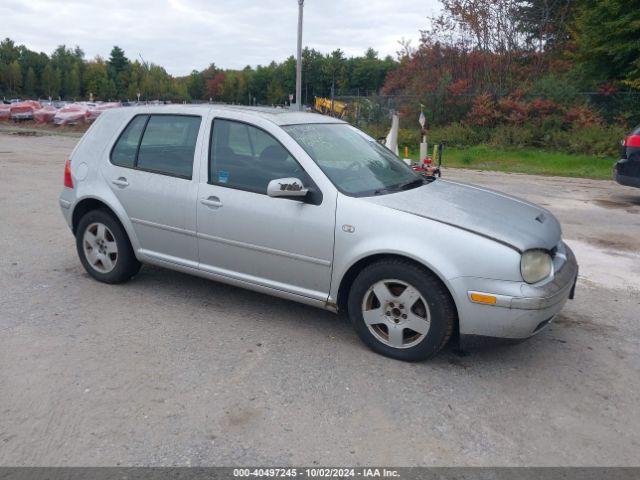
{"points": [[286, 187]]}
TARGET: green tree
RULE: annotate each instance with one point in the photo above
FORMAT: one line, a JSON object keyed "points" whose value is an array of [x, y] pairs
{"points": [[607, 35], [30, 60], [156, 83], [31, 83], [8, 51], [259, 83], [367, 73], [117, 60], [334, 69], [111, 92], [66, 73], [96, 80], [13, 77], [57, 83], [312, 76], [195, 85], [276, 93], [73, 82], [118, 68], [63, 60], [135, 76], [545, 23], [48, 82]]}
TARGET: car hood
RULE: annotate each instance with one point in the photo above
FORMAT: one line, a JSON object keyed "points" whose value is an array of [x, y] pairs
{"points": [[500, 217]]}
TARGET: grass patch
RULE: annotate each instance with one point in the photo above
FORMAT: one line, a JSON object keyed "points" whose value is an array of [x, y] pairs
{"points": [[32, 128], [531, 161]]}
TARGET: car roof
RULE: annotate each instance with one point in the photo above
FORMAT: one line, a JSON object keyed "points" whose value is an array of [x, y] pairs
{"points": [[279, 116]]}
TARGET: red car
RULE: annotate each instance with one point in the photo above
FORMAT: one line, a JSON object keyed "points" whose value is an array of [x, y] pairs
{"points": [[24, 110], [45, 114], [71, 114], [627, 170]]}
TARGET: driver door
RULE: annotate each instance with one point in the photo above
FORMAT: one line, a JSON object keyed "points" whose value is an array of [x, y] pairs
{"points": [[279, 243]]}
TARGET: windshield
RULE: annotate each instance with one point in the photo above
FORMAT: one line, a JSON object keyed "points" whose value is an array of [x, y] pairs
{"points": [[353, 161]]}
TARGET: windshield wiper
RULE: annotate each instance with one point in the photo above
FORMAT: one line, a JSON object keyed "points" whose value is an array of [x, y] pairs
{"points": [[409, 185], [402, 186]]}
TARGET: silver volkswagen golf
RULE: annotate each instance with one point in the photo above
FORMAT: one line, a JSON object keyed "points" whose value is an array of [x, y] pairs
{"points": [[309, 208]]}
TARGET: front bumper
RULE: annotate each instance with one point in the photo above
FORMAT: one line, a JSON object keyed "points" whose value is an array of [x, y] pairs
{"points": [[22, 116], [521, 310]]}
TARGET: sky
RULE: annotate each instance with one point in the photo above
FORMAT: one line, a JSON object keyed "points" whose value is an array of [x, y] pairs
{"points": [[183, 35]]}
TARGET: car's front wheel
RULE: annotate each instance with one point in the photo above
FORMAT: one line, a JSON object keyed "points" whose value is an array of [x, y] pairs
{"points": [[401, 310], [104, 248]]}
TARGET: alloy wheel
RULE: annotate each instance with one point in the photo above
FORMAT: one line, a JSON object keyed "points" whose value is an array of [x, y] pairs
{"points": [[100, 247], [396, 313]]}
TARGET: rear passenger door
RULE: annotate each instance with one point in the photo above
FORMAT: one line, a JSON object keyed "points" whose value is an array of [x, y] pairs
{"points": [[151, 171]]}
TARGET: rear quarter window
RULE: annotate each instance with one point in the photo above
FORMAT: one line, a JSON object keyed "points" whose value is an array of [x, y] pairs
{"points": [[126, 147]]}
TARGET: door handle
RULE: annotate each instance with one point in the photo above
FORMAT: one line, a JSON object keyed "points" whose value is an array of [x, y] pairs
{"points": [[120, 182], [212, 201]]}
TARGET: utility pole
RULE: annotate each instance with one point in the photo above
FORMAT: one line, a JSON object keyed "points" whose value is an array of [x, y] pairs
{"points": [[299, 63]]}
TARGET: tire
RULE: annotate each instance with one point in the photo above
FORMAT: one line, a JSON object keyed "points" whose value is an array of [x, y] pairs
{"points": [[106, 253], [411, 297]]}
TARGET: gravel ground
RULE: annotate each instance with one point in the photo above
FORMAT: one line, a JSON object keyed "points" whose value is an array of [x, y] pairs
{"points": [[175, 370]]}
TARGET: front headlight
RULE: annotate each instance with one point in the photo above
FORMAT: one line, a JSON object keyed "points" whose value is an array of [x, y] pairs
{"points": [[535, 265]]}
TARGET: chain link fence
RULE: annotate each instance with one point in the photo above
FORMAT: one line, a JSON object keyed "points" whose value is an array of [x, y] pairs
{"points": [[374, 111]]}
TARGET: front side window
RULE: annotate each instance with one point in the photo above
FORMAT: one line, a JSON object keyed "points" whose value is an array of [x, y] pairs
{"points": [[168, 145], [248, 158], [353, 161]]}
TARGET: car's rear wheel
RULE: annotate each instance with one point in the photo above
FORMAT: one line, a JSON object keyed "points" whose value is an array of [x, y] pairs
{"points": [[104, 248], [401, 310]]}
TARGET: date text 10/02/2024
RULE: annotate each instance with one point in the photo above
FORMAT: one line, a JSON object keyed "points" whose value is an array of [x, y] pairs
{"points": [[316, 472]]}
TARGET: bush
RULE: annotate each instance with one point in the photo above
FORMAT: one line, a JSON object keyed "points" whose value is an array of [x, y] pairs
{"points": [[554, 88], [454, 135], [458, 135], [513, 136], [582, 116], [559, 140], [549, 133], [409, 137], [596, 140], [602, 141], [484, 111], [374, 131]]}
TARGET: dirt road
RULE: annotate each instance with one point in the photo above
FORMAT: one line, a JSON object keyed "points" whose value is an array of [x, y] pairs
{"points": [[175, 370]]}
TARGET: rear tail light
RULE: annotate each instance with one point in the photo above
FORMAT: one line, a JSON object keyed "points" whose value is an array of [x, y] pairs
{"points": [[632, 141], [68, 181]]}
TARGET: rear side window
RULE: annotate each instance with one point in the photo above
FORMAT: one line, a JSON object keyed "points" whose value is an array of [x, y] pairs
{"points": [[168, 145], [158, 143], [124, 152]]}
